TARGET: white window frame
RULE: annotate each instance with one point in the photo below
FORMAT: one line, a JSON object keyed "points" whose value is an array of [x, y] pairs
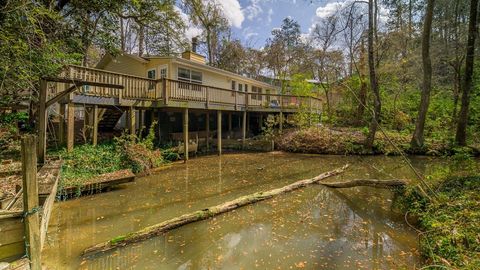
{"points": [[160, 69], [189, 80]]}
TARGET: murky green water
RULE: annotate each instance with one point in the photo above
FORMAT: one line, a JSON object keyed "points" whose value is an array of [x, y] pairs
{"points": [[313, 228]]}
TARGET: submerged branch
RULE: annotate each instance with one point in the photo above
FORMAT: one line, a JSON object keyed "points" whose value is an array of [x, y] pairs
{"points": [[206, 213], [366, 182]]}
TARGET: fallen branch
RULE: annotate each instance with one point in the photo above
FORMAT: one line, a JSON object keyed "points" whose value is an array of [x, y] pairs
{"points": [[206, 213], [366, 182]]}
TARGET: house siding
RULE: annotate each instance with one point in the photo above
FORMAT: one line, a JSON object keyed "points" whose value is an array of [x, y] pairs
{"points": [[126, 65]]}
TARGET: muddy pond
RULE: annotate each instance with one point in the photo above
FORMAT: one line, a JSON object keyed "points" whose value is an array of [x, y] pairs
{"points": [[312, 228]]}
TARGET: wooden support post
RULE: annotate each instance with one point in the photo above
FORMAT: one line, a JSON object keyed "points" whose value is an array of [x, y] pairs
{"points": [[30, 202], [42, 121], [185, 134], [207, 129], [61, 125], [165, 91], [70, 125], [244, 128], [141, 121], [95, 125], [281, 121], [219, 132], [230, 125], [260, 122], [158, 126], [310, 114], [131, 120]]}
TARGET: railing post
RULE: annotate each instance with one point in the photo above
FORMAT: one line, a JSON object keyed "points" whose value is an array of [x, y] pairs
{"points": [[165, 92], [120, 91], [30, 202]]}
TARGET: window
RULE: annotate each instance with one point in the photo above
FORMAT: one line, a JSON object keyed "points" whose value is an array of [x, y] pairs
{"points": [[240, 87], [163, 72], [196, 77], [190, 76], [257, 90], [246, 88], [183, 74], [151, 74]]}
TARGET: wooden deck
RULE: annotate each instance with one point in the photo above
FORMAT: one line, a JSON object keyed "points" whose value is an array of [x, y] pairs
{"points": [[141, 92]]}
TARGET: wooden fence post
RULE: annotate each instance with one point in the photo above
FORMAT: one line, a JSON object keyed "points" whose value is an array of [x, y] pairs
{"points": [[30, 201]]}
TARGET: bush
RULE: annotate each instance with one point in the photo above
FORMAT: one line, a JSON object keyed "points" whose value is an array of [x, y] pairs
{"points": [[87, 161]]}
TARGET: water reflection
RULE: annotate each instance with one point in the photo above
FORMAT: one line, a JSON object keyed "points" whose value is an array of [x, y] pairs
{"points": [[312, 228]]}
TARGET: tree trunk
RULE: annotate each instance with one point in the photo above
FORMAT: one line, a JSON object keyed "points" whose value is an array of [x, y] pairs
{"points": [[373, 80], [122, 35], [204, 214], [417, 138], [461, 136], [362, 95], [141, 39]]}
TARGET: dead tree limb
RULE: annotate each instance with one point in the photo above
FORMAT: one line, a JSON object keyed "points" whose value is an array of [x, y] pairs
{"points": [[366, 182], [206, 213]]}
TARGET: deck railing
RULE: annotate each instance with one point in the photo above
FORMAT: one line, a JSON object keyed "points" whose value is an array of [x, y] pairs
{"points": [[167, 90]]}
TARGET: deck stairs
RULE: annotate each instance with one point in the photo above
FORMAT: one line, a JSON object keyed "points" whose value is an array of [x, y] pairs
{"points": [[109, 118]]}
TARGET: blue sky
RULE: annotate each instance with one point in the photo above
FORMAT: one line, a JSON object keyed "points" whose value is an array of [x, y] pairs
{"points": [[253, 20], [261, 16]]}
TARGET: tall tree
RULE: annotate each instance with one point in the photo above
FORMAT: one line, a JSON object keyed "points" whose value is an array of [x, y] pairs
{"points": [[418, 135], [377, 104], [282, 48], [461, 135], [209, 16]]}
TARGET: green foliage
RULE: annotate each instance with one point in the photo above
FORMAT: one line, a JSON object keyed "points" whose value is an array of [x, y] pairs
{"points": [[32, 46], [299, 85], [87, 161], [450, 226], [303, 118]]}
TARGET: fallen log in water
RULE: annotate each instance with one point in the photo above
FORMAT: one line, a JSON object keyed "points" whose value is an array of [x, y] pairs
{"points": [[366, 182], [206, 213]]}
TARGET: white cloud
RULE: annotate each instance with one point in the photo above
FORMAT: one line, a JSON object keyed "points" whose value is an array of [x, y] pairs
{"points": [[253, 10], [270, 14], [331, 8], [233, 12]]}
